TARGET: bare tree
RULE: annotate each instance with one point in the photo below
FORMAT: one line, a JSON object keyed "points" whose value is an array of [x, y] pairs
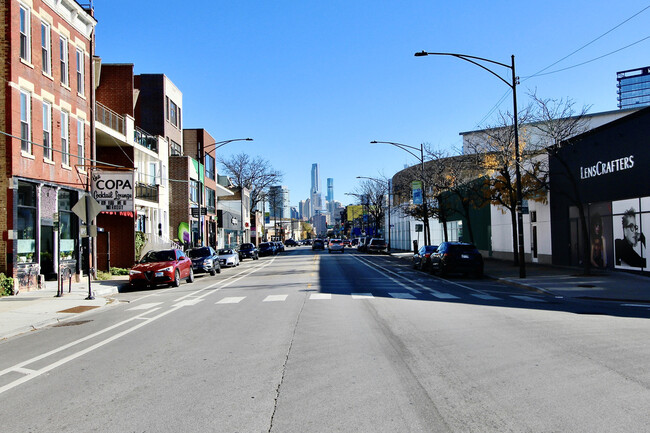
{"points": [[374, 193], [557, 120], [254, 174]]}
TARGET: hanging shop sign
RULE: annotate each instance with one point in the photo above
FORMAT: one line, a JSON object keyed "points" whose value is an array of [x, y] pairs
{"points": [[113, 190]]}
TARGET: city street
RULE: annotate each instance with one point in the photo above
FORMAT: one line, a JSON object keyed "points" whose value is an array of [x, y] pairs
{"points": [[307, 341]]}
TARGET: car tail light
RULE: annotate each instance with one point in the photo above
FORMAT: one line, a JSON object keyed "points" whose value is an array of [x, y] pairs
{"points": [[427, 254]]}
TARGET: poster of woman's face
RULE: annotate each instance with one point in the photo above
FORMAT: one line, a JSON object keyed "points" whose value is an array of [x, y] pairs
{"points": [[629, 241]]}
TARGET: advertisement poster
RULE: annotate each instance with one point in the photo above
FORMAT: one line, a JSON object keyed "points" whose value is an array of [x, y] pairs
{"points": [[630, 250]]}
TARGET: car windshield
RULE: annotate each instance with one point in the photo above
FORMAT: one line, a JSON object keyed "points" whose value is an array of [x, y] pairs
{"points": [[225, 251], [159, 256], [431, 248], [378, 242], [265, 245], [335, 241], [198, 252], [246, 247]]}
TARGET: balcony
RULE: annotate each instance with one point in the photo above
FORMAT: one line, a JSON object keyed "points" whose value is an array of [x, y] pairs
{"points": [[145, 140], [146, 191], [109, 118]]}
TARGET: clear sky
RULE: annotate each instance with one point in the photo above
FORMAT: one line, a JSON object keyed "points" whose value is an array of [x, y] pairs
{"points": [[316, 81]]}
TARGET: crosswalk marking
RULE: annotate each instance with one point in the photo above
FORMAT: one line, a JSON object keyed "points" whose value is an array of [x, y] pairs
{"points": [[528, 298], [275, 298], [188, 302], [232, 300], [145, 306], [483, 296], [440, 295], [361, 295], [320, 296], [401, 295]]}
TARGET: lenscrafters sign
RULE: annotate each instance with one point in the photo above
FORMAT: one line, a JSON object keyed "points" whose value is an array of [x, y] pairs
{"points": [[113, 190]]}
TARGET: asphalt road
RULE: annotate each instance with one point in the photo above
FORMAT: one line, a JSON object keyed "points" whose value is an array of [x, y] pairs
{"points": [[316, 342]]}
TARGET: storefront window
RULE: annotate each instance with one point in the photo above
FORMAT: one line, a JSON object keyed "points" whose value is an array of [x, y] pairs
{"points": [[67, 227], [26, 223]]}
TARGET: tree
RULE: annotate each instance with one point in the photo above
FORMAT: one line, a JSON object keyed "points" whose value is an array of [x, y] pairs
{"points": [[557, 121], [373, 194], [275, 199], [254, 174]]}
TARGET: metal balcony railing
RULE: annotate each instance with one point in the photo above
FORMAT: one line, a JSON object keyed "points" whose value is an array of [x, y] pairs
{"points": [[145, 139], [108, 117], [146, 191]]}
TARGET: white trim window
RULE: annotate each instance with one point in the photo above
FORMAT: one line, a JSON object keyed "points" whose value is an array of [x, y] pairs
{"points": [[65, 138], [47, 131], [63, 58], [25, 34], [80, 141], [46, 48], [25, 121], [80, 71]]}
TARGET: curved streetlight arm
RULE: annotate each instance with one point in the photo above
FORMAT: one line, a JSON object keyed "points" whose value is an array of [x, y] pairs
{"points": [[404, 147], [219, 144], [469, 59]]}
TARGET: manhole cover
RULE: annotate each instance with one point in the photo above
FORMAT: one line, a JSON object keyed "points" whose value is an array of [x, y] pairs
{"points": [[79, 309], [75, 323]]}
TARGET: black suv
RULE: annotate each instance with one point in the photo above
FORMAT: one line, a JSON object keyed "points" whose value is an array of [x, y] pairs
{"points": [[204, 259], [266, 249], [457, 257], [248, 250], [318, 244]]}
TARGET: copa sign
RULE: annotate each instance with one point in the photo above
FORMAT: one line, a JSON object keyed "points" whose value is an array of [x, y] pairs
{"points": [[113, 190]]}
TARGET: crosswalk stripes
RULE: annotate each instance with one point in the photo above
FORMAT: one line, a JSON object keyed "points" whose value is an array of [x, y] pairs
{"points": [[363, 295]]}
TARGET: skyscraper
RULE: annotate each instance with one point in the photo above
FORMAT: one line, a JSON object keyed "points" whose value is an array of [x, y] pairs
{"points": [[315, 194], [633, 88], [330, 189], [279, 204]]}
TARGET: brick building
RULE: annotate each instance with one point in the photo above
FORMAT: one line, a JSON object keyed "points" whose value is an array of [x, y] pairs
{"points": [[47, 145]]}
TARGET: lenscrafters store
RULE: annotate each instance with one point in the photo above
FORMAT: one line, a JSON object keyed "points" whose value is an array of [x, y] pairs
{"points": [[607, 170]]}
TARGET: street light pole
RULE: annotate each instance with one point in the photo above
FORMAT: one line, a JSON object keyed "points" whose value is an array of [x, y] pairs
{"points": [[425, 205], [513, 85]]}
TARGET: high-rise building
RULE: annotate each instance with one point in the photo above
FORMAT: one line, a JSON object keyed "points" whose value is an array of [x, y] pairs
{"points": [[315, 193], [633, 88], [330, 189]]}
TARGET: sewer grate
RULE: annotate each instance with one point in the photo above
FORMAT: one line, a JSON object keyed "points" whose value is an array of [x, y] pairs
{"points": [[79, 309], [75, 323]]}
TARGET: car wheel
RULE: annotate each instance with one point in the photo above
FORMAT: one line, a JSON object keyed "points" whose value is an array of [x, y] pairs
{"points": [[213, 273], [219, 269], [190, 278], [177, 279]]}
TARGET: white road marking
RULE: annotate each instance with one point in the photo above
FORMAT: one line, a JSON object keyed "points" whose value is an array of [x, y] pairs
{"points": [[441, 295], [402, 295], [188, 302], [232, 300], [361, 295], [275, 298], [320, 296], [144, 306], [636, 305]]}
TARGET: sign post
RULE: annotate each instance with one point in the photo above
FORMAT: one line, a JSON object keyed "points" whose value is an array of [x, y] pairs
{"points": [[87, 209]]}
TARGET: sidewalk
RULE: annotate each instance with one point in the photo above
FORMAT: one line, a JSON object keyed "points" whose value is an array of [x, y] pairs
{"points": [[37, 309], [609, 285]]}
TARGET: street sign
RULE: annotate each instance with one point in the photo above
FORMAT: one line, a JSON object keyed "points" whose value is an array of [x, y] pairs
{"points": [[195, 212], [87, 207]]}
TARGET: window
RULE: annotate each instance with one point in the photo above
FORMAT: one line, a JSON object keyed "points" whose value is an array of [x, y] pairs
{"points": [[81, 138], [152, 173], [173, 113], [46, 50], [47, 130], [80, 72], [194, 191], [209, 166], [25, 34], [65, 144], [175, 149], [68, 223], [25, 121], [26, 223], [210, 200], [63, 49]]}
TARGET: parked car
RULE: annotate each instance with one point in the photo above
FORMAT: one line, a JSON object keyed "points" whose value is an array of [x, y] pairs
{"points": [[290, 243], [228, 258], [162, 267], [248, 250], [457, 257], [266, 249], [346, 243], [279, 246], [318, 244], [422, 259], [377, 245], [335, 245], [204, 260], [308, 241]]}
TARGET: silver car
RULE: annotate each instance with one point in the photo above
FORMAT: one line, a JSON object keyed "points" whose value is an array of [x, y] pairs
{"points": [[335, 245], [228, 258]]}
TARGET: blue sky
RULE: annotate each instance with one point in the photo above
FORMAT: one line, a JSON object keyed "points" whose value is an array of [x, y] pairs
{"points": [[317, 81]]}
